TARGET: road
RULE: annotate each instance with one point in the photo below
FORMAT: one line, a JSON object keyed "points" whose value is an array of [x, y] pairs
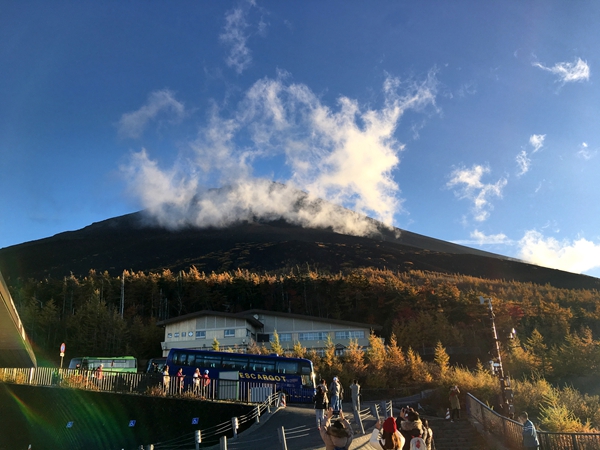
{"points": [[300, 430]]}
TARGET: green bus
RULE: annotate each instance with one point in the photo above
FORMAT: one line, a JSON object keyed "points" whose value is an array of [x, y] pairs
{"points": [[109, 363]]}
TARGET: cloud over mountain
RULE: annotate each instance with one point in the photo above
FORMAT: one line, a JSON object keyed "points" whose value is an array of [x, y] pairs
{"points": [[344, 155]]}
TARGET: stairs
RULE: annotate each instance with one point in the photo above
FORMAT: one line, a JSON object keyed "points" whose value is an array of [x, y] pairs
{"points": [[457, 435]]}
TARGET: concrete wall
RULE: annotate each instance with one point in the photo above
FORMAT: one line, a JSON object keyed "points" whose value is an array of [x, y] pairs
{"points": [[39, 416]]}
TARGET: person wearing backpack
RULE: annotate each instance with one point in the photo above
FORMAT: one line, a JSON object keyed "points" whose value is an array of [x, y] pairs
{"points": [[417, 442]]}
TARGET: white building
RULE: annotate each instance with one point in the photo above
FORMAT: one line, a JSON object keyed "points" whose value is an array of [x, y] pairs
{"points": [[198, 330]]}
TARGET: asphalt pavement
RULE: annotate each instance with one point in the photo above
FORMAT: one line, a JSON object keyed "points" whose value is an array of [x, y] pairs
{"points": [[300, 428]]}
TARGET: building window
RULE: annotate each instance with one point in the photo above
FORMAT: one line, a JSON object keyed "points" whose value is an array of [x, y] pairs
{"points": [[349, 334], [200, 334], [339, 352], [230, 333], [176, 335], [283, 337], [190, 333], [313, 336], [169, 335]]}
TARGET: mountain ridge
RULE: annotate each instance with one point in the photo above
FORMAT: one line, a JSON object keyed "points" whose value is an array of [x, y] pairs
{"points": [[136, 242]]}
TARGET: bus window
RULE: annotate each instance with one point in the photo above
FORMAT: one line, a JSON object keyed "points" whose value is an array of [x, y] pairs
{"points": [[74, 362], [288, 367], [235, 362], [307, 381], [305, 369], [211, 361], [257, 365], [179, 359]]}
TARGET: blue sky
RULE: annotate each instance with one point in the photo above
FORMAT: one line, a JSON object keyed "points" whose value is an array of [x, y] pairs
{"points": [[472, 122]]}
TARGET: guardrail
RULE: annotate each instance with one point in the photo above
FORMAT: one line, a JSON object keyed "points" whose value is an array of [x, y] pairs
{"points": [[509, 432], [153, 384]]}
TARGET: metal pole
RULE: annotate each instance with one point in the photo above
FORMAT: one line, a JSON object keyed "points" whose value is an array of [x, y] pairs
{"points": [[258, 414], [234, 426], [281, 432], [223, 443], [375, 412], [358, 420], [383, 406], [198, 438]]}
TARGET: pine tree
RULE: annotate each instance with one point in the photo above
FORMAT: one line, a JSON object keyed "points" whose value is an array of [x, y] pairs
{"points": [[276, 345], [299, 351], [442, 360], [216, 345]]}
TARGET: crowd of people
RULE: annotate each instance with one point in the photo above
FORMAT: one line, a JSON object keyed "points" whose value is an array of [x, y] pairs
{"points": [[200, 382], [406, 432]]}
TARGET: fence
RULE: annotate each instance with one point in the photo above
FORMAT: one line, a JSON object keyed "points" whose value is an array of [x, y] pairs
{"points": [[141, 383], [218, 434], [509, 432]]}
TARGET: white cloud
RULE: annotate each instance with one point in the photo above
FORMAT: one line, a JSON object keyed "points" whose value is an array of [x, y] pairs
{"points": [[537, 141], [132, 124], [472, 188], [568, 72], [524, 162], [236, 33], [345, 155], [585, 153], [479, 238], [576, 256], [523, 159]]}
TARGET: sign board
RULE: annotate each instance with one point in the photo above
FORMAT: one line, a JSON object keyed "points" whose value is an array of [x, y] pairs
{"points": [[62, 348]]}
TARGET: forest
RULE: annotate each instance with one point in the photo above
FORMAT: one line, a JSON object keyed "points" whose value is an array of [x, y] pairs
{"points": [[557, 330]]}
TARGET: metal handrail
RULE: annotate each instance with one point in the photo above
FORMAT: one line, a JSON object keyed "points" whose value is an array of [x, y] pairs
{"points": [[509, 432]]}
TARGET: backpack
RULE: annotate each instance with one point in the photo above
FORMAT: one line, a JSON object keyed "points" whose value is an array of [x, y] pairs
{"points": [[418, 443]]}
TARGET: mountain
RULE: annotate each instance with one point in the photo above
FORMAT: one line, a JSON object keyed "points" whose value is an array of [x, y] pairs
{"points": [[133, 242]]}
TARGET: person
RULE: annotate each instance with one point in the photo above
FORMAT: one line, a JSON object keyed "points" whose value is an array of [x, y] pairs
{"points": [[427, 434], [355, 391], [416, 441], [205, 384], [180, 377], [410, 425], [320, 401], [386, 435], [99, 374], [337, 434], [196, 381], [166, 378], [454, 403], [530, 439], [336, 390]]}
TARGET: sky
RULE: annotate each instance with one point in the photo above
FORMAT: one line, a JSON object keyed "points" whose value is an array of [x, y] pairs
{"points": [[467, 121]]}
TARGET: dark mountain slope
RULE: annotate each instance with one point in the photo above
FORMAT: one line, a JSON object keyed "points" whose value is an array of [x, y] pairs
{"points": [[126, 243]]}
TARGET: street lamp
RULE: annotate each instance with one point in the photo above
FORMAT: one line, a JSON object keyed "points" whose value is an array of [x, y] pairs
{"points": [[506, 391]]}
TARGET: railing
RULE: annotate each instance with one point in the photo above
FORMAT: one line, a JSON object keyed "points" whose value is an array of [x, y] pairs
{"points": [[152, 384], [282, 435], [509, 432]]}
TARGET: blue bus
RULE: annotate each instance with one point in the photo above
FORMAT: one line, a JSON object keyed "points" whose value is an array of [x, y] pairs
{"points": [[294, 376]]}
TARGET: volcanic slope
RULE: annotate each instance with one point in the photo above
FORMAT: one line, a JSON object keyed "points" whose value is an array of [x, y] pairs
{"points": [[127, 242]]}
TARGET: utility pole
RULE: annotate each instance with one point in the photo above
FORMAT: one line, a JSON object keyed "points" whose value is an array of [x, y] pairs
{"points": [[122, 293], [506, 392]]}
